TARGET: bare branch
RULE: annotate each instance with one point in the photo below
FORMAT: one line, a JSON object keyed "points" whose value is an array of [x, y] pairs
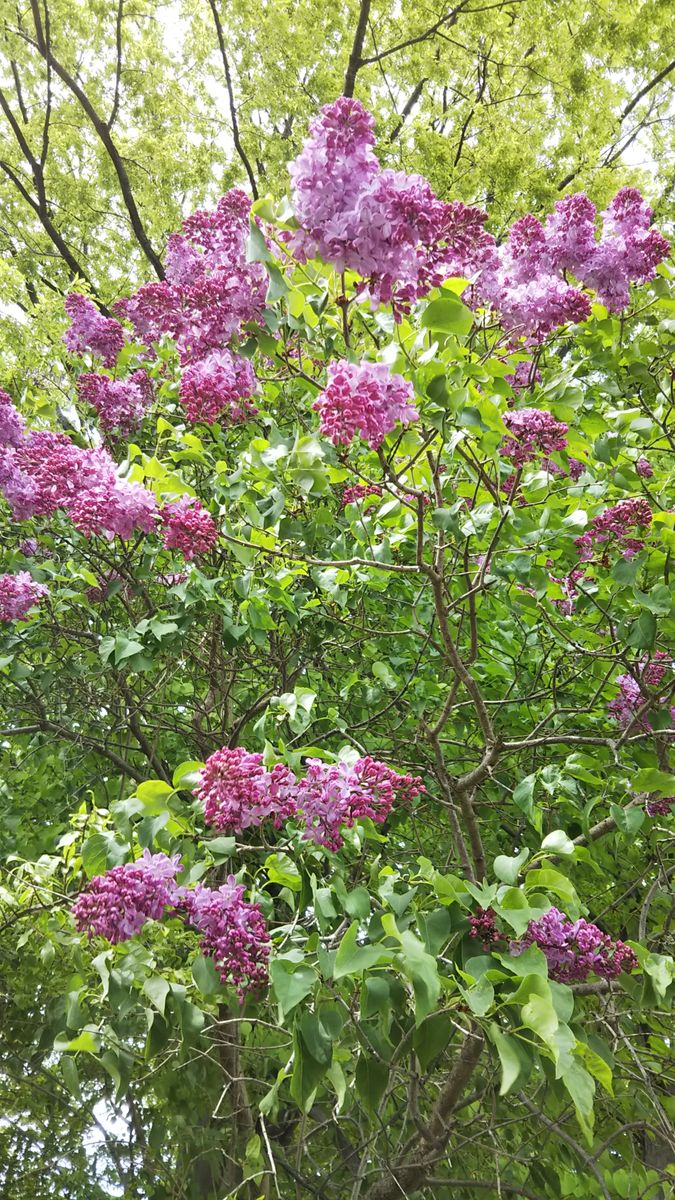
{"points": [[230, 92]]}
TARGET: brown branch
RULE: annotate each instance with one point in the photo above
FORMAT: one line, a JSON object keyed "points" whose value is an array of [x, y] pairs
{"points": [[406, 1175], [647, 88], [407, 109], [230, 92], [104, 134], [355, 60], [449, 19], [118, 63]]}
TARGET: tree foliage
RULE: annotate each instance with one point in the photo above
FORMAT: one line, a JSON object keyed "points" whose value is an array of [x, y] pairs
{"points": [[447, 622]]}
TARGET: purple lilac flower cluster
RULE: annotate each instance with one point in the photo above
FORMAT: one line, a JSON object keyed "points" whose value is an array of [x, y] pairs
{"points": [[387, 226], [238, 792], [482, 926], [525, 280], [219, 386], [12, 425], [659, 808], [358, 491], [234, 933], [392, 230], [575, 949], [188, 527], [532, 432], [91, 331], [633, 692], [365, 399], [618, 523], [119, 403], [117, 905], [209, 294], [18, 594], [47, 472]]}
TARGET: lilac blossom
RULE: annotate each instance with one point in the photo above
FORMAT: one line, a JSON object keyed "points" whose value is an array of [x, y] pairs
{"points": [[363, 399]]}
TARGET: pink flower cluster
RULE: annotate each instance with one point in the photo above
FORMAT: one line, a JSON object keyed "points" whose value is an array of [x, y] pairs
{"points": [[119, 403], [221, 384], [334, 795], [525, 376], [482, 926], [234, 932], [18, 594], [188, 527], [532, 432], [644, 468], [365, 399], [633, 694], [238, 792], [117, 905], [575, 949], [209, 294], [12, 424], [568, 583], [49, 472], [659, 808], [525, 279], [90, 330], [387, 226], [357, 491], [616, 522]]}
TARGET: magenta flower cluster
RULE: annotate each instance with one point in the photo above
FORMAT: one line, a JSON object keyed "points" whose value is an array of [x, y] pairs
{"points": [[219, 386], [363, 399], [387, 226], [393, 231], [91, 331], [633, 693], [47, 472], [234, 932], [525, 279], [659, 808], [238, 792], [119, 403], [117, 905], [532, 432], [358, 491], [575, 949], [188, 527], [18, 594], [616, 523], [210, 292], [12, 424]]}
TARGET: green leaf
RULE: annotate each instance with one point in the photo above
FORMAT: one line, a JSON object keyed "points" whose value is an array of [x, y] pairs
{"points": [[372, 1077], [539, 1014], [291, 983], [447, 315], [157, 990], [354, 959], [187, 775], [153, 795], [70, 1076], [257, 249], [581, 1088], [422, 970], [206, 976], [89, 1040], [508, 869], [651, 779], [282, 870], [221, 848], [642, 632], [509, 1057], [557, 842]]}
